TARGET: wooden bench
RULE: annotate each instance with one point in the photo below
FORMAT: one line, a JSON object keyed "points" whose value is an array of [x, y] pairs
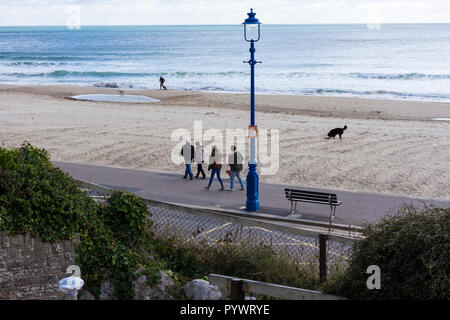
{"points": [[294, 196]]}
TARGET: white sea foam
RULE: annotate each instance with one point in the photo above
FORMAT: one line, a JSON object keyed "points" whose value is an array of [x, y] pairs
{"points": [[319, 60]]}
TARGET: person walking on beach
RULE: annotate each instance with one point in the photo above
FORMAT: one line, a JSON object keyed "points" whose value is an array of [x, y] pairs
{"points": [[235, 161], [215, 164], [161, 83], [188, 154], [199, 158]]}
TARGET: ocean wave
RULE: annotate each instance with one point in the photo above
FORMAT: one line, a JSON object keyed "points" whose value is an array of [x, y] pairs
{"points": [[387, 93], [106, 85], [376, 94], [121, 85], [6, 56], [211, 89], [110, 74], [399, 76], [34, 64], [95, 74], [358, 75], [189, 74], [201, 74]]}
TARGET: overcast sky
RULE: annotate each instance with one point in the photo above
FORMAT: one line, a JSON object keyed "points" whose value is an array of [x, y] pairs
{"points": [[175, 12]]}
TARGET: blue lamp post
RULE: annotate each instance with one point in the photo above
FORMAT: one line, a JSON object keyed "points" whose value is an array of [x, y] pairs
{"points": [[252, 34]]}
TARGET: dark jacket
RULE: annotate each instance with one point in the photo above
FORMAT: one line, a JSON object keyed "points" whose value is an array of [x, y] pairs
{"points": [[235, 161], [192, 152], [213, 159]]}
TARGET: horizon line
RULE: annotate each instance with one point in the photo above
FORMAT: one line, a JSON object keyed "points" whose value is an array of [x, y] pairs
{"points": [[187, 25]]}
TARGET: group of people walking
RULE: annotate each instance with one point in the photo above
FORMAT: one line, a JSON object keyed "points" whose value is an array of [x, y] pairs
{"points": [[196, 155]]}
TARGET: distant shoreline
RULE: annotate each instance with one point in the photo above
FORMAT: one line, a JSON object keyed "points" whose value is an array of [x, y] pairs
{"points": [[331, 93], [390, 147], [227, 25], [324, 106], [375, 95], [395, 62]]}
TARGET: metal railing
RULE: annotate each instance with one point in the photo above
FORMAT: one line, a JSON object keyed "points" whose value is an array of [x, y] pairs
{"points": [[318, 252], [238, 287]]}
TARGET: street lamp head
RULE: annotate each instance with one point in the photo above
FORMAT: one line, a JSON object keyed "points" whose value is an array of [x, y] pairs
{"points": [[251, 27]]}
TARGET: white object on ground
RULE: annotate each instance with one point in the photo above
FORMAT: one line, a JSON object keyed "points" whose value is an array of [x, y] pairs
{"points": [[114, 98], [199, 289], [70, 285]]}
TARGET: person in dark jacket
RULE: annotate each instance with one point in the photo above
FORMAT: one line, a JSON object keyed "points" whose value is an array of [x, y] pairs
{"points": [[215, 164], [199, 158], [235, 161], [188, 154]]}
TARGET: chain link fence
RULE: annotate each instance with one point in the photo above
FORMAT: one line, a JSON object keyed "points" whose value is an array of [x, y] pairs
{"points": [[204, 227], [208, 228]]}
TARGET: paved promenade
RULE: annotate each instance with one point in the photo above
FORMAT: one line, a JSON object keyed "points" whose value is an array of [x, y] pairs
{"points": [[356, 208]]}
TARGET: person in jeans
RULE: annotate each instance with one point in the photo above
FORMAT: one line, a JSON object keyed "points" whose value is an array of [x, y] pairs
{"points": [[215, 164], [188, 154], [199, 158], [235, 160]]}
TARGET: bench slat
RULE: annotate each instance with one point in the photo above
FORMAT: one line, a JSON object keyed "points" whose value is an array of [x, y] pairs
{"points": [[322, 195], [337, 203], [308, 192], [297, 195], [310, 196]]}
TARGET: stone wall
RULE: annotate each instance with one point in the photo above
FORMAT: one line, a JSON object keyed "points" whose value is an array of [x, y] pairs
{"points": [[31, 268]]}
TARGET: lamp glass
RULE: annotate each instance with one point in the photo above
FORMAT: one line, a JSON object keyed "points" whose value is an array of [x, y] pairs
{"points": [[251, 31]]}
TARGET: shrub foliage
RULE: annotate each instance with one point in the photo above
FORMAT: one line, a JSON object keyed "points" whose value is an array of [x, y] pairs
{"points": [[260, 263], [117, 244], [412, 249], [38, 198], [35, 197]]}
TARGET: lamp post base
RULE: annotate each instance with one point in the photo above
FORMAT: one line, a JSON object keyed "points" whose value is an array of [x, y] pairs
{"points": [[252, 203]]}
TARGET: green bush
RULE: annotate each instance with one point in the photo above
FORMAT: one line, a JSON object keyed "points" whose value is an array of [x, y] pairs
{"points": [[260, 263], [412, 250], [38, 198], [127, 216], [35, 197], [116, 243]]}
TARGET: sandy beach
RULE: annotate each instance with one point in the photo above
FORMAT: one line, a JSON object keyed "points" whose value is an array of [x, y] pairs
{"points": [[390, 147]]}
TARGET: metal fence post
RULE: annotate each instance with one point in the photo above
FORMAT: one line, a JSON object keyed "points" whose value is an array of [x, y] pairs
{"points": [[236, 290], [323, 238]]}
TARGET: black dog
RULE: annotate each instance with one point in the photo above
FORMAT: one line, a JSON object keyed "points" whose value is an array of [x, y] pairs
{"points": [[336, 131]]}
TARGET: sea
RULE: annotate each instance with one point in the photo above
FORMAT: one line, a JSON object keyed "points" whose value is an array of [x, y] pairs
{"points": [[389, 61]]}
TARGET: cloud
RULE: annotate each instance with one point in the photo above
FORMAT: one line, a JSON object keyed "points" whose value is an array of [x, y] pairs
{"points": [[147, 12]]}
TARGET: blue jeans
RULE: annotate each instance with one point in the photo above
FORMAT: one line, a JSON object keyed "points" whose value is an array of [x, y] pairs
{"points": [[238, 175], [215, 172], [188, 171]]}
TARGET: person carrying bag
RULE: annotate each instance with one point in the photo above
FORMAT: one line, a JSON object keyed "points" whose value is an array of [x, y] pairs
{"points": [[215, 165]]}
